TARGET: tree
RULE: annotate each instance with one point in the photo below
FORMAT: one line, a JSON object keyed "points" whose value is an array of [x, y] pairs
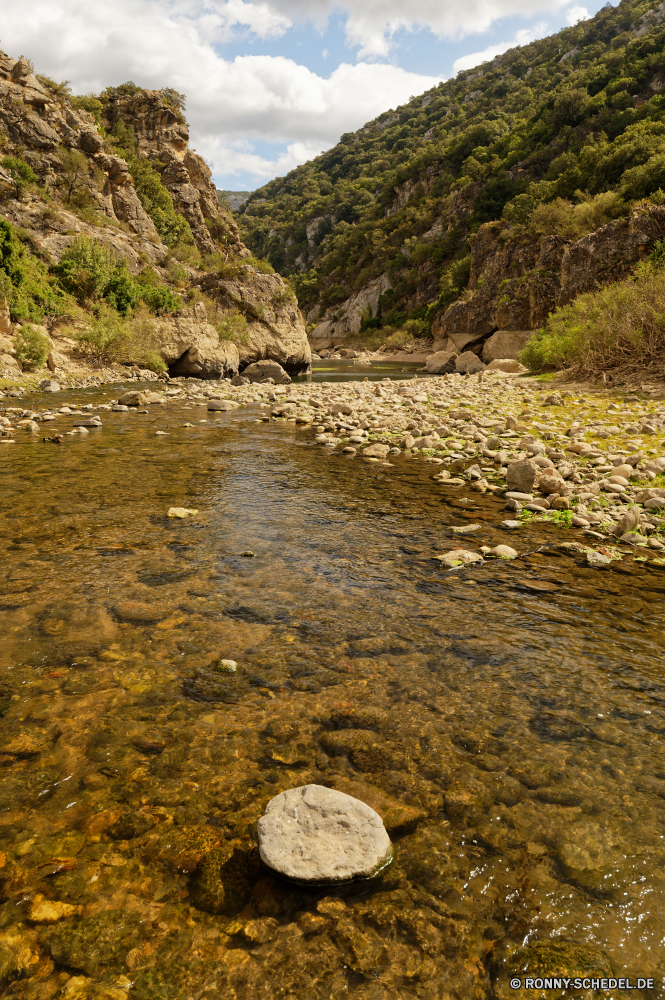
{"points": [[75, 170]]}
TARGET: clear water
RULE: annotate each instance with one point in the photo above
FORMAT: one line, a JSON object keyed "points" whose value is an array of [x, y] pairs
{"points": [[507, 720], [372, 371]]}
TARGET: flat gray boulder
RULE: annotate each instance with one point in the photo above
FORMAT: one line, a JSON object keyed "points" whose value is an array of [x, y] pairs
{"points": [[221, 404], [261, 370], [316, 835]]}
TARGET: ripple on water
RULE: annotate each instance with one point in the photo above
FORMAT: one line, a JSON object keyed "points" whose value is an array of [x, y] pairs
{"points": [[505, 720]]}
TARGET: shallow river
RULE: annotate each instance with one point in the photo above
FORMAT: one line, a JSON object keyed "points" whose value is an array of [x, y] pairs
{"points": [[507, 720]]}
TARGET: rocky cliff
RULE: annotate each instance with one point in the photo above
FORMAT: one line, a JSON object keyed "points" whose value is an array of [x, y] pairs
{"points": [[120, 175], [515, 283]]}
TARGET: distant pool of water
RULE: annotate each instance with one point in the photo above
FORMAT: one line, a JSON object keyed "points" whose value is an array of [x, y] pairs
{"points": [[347, 371]]}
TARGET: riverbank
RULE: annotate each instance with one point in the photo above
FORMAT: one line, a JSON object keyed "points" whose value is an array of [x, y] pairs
{"points": [[590, 460]]}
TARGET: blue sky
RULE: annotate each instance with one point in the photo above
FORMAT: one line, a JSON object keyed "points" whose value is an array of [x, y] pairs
{"points": [[271, 84]]}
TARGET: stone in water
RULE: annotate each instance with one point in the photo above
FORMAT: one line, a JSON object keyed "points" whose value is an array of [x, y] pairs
{"points": [[317, 835], [181, 512]]}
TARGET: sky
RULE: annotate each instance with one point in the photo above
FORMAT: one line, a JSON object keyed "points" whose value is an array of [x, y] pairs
{"points": [[271, 84]]}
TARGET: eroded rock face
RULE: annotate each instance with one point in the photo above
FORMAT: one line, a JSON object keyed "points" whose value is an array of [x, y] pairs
{"points": [[191, 346], [516, 285], [275, 329], [346, 318], [42, 126], [317, 835]]}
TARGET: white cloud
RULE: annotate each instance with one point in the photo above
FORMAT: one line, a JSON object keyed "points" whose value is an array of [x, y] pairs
{"points": [[522, 37], [371, 24], [229, 102], [575, 14]]}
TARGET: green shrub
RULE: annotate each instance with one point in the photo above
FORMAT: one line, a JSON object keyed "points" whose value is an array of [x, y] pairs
{"points": [[617, 330], [74, 176], [86, 268], [32, 347], [233, 327], [91, 272], [25, 283], [60, 91], [111, 338], [20, 172], [89, 103]]}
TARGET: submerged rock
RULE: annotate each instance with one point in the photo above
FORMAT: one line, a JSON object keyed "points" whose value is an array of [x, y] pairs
{"points": [[317, 835]]}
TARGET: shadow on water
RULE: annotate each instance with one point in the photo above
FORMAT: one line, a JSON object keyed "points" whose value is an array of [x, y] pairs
{"points": [[507, 721]]}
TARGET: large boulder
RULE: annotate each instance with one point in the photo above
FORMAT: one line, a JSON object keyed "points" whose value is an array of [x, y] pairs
{"points": [[261, 370], [191, 346], [441, 363], [274, 326], [468, 363], [505, 344], [521, 477]]}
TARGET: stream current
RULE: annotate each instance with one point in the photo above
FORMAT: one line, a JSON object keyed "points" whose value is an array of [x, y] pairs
{"points": [[507, 720]]}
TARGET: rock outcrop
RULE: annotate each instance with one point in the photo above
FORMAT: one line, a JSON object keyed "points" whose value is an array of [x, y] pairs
{"points": [[340, 321], [516, 285], [41, 126]]}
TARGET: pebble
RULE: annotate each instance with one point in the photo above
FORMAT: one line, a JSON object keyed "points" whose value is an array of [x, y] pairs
{"points": [[580, 522], [458, 557], [597, 559], [510, 525], [465, 529], [501, 552], [515, 495], [180, 512], [162, 434], [319, 836]]}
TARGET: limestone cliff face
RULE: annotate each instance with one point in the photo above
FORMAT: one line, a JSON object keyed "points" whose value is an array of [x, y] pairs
{"points": [[163, 138], [514, 284], [40, 125]]}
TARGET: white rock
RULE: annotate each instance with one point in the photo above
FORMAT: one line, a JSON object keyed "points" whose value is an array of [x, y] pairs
{"points": [[180, 512], [318, 835]]}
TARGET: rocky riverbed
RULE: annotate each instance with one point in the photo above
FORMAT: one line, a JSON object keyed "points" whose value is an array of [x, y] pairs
{"points": [[592, 462], [164, 678]]}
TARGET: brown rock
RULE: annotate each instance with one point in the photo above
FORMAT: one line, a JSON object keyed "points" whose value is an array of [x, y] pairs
{"points": [[521, 477]]}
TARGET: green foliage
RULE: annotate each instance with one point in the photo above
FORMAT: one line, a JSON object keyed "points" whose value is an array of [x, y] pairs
{"points": [[618, 329], [111, 338], [74, 175], [175, 100], [32, 347], [20, 172], [541, 132], [123, 90], [233, 327], [25, 283], [86, 268], [60, 91], [91, 272], [89, 103]]}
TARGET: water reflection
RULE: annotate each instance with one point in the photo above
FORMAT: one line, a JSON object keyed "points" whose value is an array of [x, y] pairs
{"points": [[507, 721]]}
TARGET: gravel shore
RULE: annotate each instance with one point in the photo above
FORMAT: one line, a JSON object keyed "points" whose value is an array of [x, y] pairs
{"points": [[591, 461]]}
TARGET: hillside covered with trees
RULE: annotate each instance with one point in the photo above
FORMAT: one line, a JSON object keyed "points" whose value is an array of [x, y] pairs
{"points": [[558, 137]]}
